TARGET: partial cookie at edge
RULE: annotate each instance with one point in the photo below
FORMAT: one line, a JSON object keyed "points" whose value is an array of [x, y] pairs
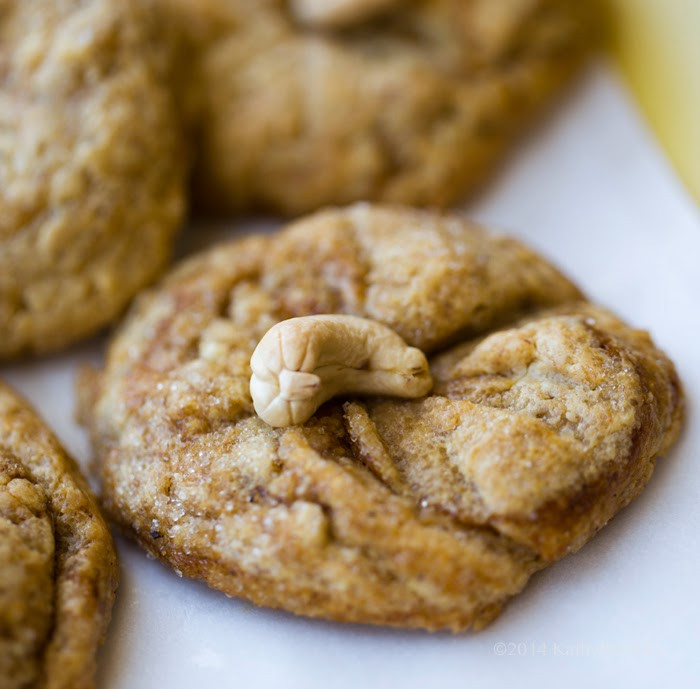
{"points": [[92, 168], [59, 569]]}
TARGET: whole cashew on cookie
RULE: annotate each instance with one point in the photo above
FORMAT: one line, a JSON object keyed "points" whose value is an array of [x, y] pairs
{"points": [[335, 13], [302, 362]]}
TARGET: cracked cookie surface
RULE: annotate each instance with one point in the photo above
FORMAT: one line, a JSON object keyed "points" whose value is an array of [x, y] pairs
{"points": [[302, 104], [91, 171], [546, 418], [58, 568]]}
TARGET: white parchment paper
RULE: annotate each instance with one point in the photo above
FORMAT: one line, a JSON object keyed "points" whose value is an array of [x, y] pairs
{"points": [[591, 189]]}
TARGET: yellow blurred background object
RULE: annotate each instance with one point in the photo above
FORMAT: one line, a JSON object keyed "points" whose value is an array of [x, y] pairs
{"points": [[657, 43]]}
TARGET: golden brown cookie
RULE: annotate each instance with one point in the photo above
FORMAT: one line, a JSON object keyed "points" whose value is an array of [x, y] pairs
{"points": [[421, 513], [302, 104], [58, 568], [91, 167]]}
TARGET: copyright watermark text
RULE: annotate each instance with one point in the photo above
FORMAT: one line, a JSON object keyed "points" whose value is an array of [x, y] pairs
{"points": [[571, 649]]}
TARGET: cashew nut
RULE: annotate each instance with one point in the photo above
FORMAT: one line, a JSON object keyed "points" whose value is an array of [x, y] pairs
{"points": [[302, 362], [335, 13]]}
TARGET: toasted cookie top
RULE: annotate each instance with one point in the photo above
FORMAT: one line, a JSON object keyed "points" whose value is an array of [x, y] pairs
{"points": [[546, 417], [301, 104], [58, 568], [91, 168]]}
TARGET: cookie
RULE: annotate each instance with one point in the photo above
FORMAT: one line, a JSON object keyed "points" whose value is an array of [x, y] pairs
{"points": [[91, 167], [58, 567], [301, 104], [546, 417]]}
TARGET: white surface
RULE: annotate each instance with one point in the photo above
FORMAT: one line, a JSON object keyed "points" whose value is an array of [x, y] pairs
{"points": [[591, 190]]}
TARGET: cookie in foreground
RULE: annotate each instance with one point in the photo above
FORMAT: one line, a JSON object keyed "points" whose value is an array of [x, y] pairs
{"points": [[58, 567], [300, 104], [545, 418], [91, 166]]}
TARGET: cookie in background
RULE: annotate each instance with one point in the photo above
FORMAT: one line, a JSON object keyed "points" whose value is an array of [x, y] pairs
{"points": [[301, 104], [91, 166]]}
